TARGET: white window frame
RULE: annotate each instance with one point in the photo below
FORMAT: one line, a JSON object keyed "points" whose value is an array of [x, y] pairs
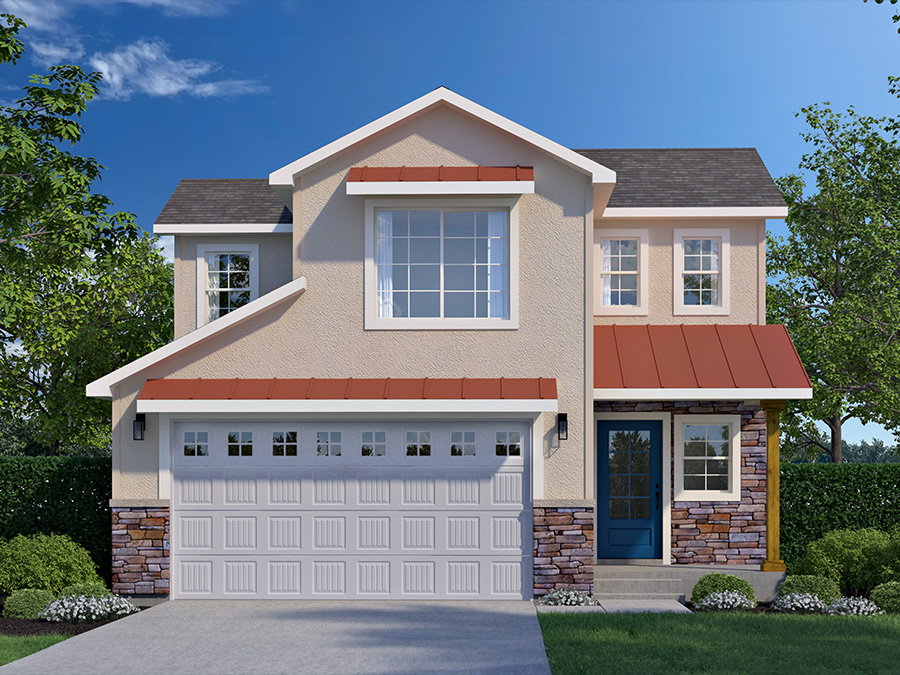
{"points": [[642, 308], [204, 250], [372, 320], [723, 308], [733, 493]]}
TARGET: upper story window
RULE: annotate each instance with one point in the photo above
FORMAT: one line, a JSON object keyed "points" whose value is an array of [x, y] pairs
{"points": [[620, 259], [227, 279], [701, 272], [433, 267]]}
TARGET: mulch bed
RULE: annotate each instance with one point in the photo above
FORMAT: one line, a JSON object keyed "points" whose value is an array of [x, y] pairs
{"points": [[22, 627]]}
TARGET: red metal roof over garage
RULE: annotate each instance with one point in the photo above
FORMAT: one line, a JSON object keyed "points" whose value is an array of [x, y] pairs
{"points": [[758, 359], [349, 389], [390, 174]]}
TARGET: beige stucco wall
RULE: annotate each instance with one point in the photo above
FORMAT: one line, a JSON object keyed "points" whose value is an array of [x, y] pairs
{"points": [[747, 262], [321, 334], [274, 269]]}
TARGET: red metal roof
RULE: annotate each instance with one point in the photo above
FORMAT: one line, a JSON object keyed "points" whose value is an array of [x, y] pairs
{"points": [[349, 388], [411, 174], [696, 357]]}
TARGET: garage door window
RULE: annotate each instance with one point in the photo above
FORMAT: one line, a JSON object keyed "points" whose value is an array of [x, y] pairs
{"points": [[196, 443], [462, 443], [509, 444], [240, 443], [374, 443], [418, 443], [284, 443], [328, 443]]}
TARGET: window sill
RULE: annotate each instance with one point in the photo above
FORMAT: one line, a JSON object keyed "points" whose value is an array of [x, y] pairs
{"points": [[707, 496], [441, 324], [620, 311], [701, 311]]}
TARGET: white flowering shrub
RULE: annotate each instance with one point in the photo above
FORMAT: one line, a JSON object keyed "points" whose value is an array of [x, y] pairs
{"points": [[853, 607], [564, 596], [803, 603], [726, 600], [83, 608]]}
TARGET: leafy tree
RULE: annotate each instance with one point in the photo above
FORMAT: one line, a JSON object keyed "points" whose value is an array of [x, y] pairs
{"points": [[835, 276], [84, 290]]}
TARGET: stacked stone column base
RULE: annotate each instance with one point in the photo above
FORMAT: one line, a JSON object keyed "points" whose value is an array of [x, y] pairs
{"points": [[563, 549], [140, 550]]}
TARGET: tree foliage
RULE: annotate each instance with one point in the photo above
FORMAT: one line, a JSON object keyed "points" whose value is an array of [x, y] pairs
{"points": [[834, 278], [84, 289]]}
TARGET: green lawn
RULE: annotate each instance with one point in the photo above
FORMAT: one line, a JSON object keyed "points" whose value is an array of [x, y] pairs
{"points": [[12, 648], [720, 644]]}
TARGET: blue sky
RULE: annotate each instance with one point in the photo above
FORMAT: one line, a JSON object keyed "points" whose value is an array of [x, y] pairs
{"points": [[231, 88]]}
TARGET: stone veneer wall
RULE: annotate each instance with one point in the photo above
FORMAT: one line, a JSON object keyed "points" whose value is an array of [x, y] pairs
{"points": [[732, 533], [563, 548], [140, 550]]}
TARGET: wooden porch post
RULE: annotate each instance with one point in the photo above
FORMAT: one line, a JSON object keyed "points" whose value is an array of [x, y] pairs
{"points": [[773, 561]]}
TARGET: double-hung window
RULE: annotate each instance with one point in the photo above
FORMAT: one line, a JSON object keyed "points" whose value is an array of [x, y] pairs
{"points": [[441, 268], [707, 457], [620, 259], [701, 272], [227, 279]]}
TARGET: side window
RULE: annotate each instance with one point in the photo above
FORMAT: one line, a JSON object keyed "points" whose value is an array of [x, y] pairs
{"points": [[240, 443], [284, 443], [462, 443], [509, 444], [707, 458], [227, 279], [328, 443], [701, 272], [374, 443], [620, 263], [418, 443], [196, 443]]}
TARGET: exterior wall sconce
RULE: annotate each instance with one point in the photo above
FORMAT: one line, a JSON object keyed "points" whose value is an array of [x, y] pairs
{"points": [[140, 423], [562, 426]]}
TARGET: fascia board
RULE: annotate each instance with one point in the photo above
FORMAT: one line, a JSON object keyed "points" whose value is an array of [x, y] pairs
{"points": [[697, 212], [512, 187], [285, 175], [340, 406], [102, 388], [767, 394], [224, 228]]}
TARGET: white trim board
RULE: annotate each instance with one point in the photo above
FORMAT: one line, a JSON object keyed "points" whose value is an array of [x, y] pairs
{"points": [[347, 406], [696, 212], [284, 177], [225, 228], [736, 394], [496, 187], [102, 387]]}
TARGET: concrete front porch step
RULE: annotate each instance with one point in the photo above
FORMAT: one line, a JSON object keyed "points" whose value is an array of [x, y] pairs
{"points": [[639, 585]]}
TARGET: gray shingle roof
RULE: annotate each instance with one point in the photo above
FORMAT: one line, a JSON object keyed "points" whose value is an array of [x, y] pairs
{"points": [[678, 177], [223, 201]]}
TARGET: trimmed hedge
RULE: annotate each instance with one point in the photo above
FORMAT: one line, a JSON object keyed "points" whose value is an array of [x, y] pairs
{"points": [[819, 498], [59, 495]]}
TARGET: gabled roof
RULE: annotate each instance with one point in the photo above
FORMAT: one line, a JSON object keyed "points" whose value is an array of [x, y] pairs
{"points": [[284, 177], [688, 177]]}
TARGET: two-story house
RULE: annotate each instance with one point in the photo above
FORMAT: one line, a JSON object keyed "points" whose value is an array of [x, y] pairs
{"points": [[436, 357]]}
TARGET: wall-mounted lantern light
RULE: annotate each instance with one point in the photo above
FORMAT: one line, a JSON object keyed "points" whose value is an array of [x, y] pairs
{"points": [[140, 423], [562, 426]]}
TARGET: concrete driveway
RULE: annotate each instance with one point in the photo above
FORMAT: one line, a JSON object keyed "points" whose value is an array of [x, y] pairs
{"points": [[396, 638]]}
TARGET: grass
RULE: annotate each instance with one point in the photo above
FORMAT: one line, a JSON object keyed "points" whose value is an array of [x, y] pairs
{"points": [[12, 648], [720, 644]]}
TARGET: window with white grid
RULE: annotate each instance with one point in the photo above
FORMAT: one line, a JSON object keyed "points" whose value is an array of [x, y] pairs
{"points": [[701, 271], [620, 269]]}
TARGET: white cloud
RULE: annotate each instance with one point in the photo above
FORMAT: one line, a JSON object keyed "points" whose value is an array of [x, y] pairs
{"points": [[42, 15], [65, 50], [166, 244], [144, 67], [53, 15], [179, 7]]}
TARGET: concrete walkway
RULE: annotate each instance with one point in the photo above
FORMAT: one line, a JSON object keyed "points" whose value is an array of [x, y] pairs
{"points": [[623, 607], [224, 637]]}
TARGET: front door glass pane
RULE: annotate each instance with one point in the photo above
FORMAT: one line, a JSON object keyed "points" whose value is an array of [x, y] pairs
{"points": [[629, 474]]}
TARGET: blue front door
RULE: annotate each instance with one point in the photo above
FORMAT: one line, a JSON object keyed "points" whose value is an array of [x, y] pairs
{"points": [[629, 490]]}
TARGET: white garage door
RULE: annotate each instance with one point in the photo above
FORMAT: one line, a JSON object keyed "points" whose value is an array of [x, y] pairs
{"points": [[351, 510]]}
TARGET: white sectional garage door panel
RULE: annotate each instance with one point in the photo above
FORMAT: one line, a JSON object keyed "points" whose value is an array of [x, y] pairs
{"points": [[351, 525]]}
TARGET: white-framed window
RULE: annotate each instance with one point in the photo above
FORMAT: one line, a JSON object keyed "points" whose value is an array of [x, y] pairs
{"points": [[284, 443], [227, 279], [328, 443], [374, 444], [620, 271], [701, 269], [707, 458], [509, 444], [462, 443], [196, 443], [418, 443], [240, 443], [441, 264]]}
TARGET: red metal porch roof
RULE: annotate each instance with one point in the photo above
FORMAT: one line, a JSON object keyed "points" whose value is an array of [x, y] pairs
{"points": [[349, 388], [393, 174], [696, 357]]}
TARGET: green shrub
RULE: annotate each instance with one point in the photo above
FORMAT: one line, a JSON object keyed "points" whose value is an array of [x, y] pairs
{"points": [[853, 559], [822, 587], [26, 603], [49, 562], [887, 596], [90, 590], [716, 582]]}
